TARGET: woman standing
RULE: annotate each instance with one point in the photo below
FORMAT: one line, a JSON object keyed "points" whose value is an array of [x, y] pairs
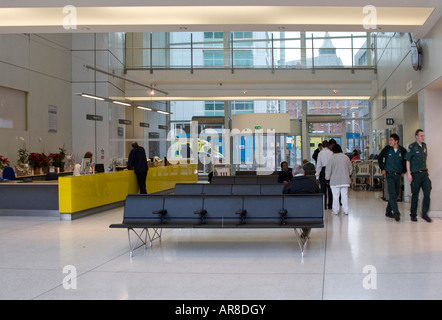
{"points": [[338, 171]]}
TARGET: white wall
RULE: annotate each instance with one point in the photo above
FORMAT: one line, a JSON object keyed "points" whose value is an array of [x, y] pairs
{"points": [[103, 51], [39, 64], [414, 107]]}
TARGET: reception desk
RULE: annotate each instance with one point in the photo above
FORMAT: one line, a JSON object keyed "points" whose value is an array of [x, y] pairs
{"points": [[37, 198], [79, 195]]}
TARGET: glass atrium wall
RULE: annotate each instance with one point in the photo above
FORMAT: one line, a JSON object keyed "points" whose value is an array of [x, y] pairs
{"points": [[249, 50], [261, 50], [351, 131]]}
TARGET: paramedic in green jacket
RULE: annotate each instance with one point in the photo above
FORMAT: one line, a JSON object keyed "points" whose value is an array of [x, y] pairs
{"points": [[393, 166], [417, 174]]}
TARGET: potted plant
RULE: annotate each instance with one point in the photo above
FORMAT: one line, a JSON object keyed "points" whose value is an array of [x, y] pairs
{"points": [[62, 152], [22, 166], [4, 162], [38, 161], [55, 160]]}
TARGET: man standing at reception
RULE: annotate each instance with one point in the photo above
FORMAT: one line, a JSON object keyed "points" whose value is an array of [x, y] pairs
{"points": [[138, 162]]}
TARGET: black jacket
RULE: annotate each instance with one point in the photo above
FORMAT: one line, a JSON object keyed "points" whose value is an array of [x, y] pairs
{"points": [[300, 185], [137, 160], [285, 175]]}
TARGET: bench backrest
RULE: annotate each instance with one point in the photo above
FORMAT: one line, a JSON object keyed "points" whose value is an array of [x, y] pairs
{"points": [[304, 207], [246, 189], [139, 208], [220, 209], [217, 189], [273, 189], [245, 179], [189, 188], [227, 189]]}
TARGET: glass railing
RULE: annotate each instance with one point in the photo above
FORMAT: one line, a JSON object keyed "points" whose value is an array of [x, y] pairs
{"points": [[309, 50]]}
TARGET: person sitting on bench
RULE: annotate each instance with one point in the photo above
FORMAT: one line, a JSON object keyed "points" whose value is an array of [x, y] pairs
{"points": [[285, 175], [300, 184]]}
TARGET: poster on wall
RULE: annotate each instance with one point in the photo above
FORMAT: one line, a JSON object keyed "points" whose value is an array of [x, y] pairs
{"points": [[52, 119]]}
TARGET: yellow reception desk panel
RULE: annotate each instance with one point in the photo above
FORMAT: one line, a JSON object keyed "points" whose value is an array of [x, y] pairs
{"points": [[90, 191]]}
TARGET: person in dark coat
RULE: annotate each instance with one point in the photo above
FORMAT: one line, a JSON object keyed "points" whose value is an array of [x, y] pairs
{"points": [[138, 162], [316, 152], [393, 165], [300, 184], [285, 175]]}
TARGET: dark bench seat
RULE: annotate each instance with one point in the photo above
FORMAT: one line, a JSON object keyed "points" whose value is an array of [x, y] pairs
{"points": [[300, 212]]}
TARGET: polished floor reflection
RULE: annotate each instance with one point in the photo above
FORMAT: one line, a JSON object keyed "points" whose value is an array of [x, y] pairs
{"points": [[364, 255]]}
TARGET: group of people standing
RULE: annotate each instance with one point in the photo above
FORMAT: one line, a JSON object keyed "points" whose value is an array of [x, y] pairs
{"points": [[333, 171], [395, 161], [334, 168]]}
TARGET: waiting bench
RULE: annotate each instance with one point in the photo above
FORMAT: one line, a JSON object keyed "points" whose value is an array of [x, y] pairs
{"points": [[227, 189], [300, 212], [245, 179]]}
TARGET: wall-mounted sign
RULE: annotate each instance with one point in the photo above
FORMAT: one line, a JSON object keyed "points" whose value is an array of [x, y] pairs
{"points": [[390, 121], [144, 125], [94, 117], [162, 127], [124, 121], [52, 119]]}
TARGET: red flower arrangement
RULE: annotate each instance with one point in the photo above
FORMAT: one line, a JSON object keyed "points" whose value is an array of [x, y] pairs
{"points": [[4, 162], [38, 160], [55, 159]]}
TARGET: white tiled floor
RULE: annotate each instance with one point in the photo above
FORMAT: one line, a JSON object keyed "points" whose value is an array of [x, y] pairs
{"points": [[406, 259]]}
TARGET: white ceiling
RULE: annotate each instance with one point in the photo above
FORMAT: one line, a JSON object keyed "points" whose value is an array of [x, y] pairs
{"points": [[46, 16]]}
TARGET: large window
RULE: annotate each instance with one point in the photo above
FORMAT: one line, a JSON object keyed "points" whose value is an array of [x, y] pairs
{"points": [[214, 108], [250, 50]]}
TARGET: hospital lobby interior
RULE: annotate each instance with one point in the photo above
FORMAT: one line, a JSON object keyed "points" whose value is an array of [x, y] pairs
{"points": [[244, 87]]}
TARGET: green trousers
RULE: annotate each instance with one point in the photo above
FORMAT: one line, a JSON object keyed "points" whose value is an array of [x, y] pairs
{"points": [[394, 185], [420, 180]]}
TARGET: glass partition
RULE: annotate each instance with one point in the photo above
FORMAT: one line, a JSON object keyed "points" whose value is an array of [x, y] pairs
{"points": [[168, 50]]}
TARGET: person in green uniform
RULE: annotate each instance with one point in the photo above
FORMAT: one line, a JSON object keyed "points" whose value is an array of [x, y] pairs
{"points": [[392, 163], [417, 174]]}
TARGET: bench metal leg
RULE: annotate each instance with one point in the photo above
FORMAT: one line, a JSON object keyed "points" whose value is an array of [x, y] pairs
{"points": [[139, 238], [302, 236], [156, 234]]}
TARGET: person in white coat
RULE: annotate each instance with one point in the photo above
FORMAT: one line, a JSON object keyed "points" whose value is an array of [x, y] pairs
{"points": [[338, 171]]}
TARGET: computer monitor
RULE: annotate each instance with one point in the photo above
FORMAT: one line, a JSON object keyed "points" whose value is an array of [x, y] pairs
{"points": [[99, 167], [85, 165]]}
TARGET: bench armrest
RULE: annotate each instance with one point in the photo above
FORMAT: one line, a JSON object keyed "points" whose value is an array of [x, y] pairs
{"points": [[202, 213], [242, 213], [162, 213]]}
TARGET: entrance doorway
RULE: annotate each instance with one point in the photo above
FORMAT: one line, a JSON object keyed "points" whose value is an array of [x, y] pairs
{"points": [[315, 139]]}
